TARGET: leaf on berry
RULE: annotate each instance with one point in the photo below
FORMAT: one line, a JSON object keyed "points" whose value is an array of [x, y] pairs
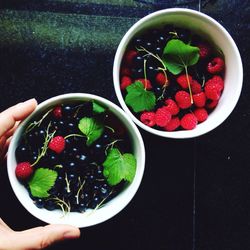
{"points": [[42, 181], [97, 108], [177, 56], [138, 98], [92, 128], [118, 167]]}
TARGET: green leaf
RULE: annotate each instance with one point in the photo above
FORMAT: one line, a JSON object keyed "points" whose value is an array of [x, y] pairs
{"points": [[118, 167], [42, 181], [138, 98], [91, 128], [97, 108], [177, 55]]}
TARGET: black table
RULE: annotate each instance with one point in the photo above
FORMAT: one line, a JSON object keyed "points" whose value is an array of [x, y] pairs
{"points": [[197, 201]]}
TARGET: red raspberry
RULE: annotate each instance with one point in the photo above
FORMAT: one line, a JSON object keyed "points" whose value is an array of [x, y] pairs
{"points": [[212, 104], [205, 50], [23, 171], [173, 124], [57, 144], [172, 107], [183, 99], [161, 79], [189, 121], [125, 71], [216, 65], [218, 80], [199, 99], [201, 114], [129, 56], [195, 87], [147, 84], [162, 117], [125, 82], [213, 91], [148, 118], [57, 112], [183, 82]]}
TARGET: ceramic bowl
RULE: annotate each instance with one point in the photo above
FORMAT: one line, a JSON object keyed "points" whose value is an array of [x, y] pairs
{"points": [[90, 217], [212, 31]]}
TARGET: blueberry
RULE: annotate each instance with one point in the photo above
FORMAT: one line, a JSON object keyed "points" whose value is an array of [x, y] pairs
{"points": [[138, 42], [85, 109], [82, 207], [22, 153], [138, 72], [138, 61], [39, 202], [50, 205]]}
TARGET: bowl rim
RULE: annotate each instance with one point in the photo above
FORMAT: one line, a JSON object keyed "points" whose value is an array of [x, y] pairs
{"points": [[129, 193], [183, 134]]}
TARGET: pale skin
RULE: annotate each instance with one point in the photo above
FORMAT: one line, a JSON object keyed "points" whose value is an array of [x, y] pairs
{"points": [[39, 237]]}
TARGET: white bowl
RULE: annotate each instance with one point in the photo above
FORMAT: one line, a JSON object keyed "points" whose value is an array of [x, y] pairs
{"points": [[215, 33], [90, 217]]}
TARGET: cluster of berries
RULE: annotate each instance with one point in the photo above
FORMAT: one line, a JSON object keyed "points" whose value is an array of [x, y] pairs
{"points": [[57, 144], [184, 100]]}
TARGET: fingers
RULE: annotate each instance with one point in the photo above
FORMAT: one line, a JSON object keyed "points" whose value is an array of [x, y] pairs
{"points": [[4, 226], [18, 112], [42, 237]]}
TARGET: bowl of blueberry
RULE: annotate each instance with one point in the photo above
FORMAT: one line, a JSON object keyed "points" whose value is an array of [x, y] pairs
{"points": [[177, 73], [78, 159]]}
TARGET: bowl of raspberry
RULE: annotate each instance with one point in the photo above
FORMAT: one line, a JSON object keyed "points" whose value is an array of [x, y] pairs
{"points": [[78, 159], [177, 73]]}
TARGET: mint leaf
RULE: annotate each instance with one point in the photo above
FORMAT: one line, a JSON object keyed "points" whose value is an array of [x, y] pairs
{"points": [[177, 55], [42, 181], [138, 98], [118, 167], [91, 128], [97, 108]]}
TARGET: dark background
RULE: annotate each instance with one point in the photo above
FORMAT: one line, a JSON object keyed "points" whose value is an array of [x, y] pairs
{"points": [[195, 193]]}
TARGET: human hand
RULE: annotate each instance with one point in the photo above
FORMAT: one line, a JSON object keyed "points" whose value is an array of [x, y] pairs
{"points": [[9, 120], [39, 237]]}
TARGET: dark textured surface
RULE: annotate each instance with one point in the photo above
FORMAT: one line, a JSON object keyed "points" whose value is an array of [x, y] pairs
{"points": [[197, 201]]}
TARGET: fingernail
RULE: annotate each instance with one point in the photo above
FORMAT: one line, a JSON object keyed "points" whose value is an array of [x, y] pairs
{"points": [[30, 101], [72, 234]]}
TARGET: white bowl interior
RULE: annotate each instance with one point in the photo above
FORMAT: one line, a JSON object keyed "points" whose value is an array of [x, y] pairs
{"points": [[212, 31], [90, 217]]}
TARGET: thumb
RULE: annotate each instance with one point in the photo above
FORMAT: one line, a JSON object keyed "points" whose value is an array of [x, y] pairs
{"points": [[42, 237]]}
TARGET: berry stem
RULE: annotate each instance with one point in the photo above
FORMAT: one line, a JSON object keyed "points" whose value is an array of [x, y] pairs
{"points": [[37, 123], [189, 85], [79, 190], [73, 135], [48, 137], [145, 73]]}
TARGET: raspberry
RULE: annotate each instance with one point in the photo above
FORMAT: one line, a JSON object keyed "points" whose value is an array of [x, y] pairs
{"points": [[147, 84], [201, 114], [125, 71], [189, 121], [195, 87], [183, 82], [213, 91], [57, 112], [212, 104], [57, 144], [172, 107], [205, 50], [162, 117], [173, 124], [23, 171], [161, 79], [218, 80], [148, 118], [215, 66], [125, 82], [129, 56], [199, 99], [183, 99]]}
